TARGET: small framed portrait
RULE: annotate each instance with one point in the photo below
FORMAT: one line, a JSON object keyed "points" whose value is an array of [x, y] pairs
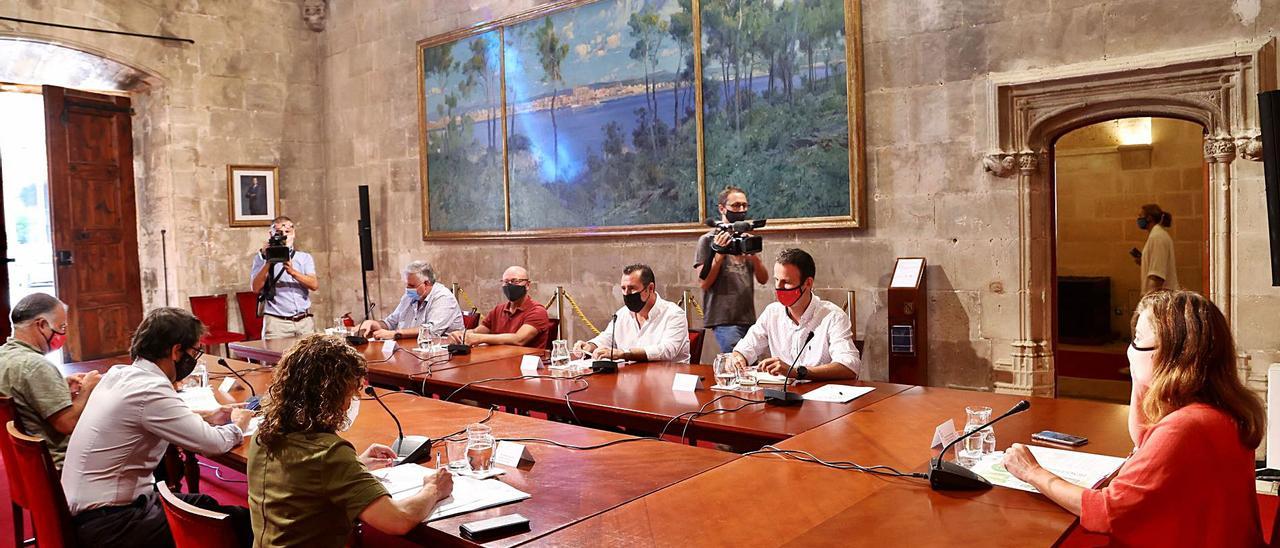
{"points": [[253, 195]]}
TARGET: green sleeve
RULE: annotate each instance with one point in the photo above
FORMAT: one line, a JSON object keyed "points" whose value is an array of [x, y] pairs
{"points": [[350, 485], [46, 390]]}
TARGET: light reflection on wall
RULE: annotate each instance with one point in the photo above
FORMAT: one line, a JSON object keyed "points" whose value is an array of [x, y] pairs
{"points": [[535, 124], [1132, 131]]}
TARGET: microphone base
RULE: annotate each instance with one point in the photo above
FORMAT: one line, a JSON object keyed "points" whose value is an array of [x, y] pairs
{"points": [[459, 349], [604, 366], [356, 340], [405, 447], [949, 476], [774, 396]]}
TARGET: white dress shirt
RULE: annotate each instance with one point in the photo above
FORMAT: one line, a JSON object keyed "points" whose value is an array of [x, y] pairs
{"points": [[439, 308], [1157, 259], [131, 418], [776, 334], [664, 337]]}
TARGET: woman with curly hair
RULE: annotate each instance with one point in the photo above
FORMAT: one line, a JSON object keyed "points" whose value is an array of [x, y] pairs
{"points": [[1195, 425], [307, 485]]}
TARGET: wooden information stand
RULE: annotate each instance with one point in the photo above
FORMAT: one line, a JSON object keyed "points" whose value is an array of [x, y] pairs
{"points": [[908, 317]]}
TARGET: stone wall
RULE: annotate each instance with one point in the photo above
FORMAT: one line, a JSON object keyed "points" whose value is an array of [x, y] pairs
{"points": [[925, 63], [1100, 192], [247, 92]]}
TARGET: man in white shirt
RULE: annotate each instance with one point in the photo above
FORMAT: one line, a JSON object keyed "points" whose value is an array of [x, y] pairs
{"points": [[129, 422], [1159, 269], [801, 330], [424, 302], [647, 328]]}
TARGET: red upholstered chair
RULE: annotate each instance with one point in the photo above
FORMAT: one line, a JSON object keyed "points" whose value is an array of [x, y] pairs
{"points": [[470, 319], [45, 499], [247, 301], [551, 331], [17, 493], [212, 311], [695, 345], [195, 527]]}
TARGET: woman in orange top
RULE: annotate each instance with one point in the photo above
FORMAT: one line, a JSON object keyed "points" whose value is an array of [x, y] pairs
{"points": [[1190, 480]]}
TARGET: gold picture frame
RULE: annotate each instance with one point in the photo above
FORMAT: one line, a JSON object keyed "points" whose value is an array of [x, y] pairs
{"points": [[253, 195], [853, 79]]}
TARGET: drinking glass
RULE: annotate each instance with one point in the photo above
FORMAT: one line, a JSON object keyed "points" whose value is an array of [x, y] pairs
{"points": [[971, 449], [456, 450], [725, 370], [426, 335], [559, 354], [339, 326], [747, 377]]}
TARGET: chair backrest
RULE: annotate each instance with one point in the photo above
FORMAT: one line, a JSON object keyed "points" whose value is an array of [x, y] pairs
{"points": [[470, 319], [17, 492], [195, 527], [695, 345], [212, 311], [45, 499], [247, 301], [551, 331]]}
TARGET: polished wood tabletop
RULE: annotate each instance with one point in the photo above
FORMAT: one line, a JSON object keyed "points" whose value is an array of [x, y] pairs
{"points": [[402, 367], [567, 485], [769, 500], [639, 396]]}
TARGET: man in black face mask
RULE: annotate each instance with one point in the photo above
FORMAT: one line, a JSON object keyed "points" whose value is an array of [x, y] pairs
{"points": [[728, 297], [127, 425], [646, 328], [520, 321]]}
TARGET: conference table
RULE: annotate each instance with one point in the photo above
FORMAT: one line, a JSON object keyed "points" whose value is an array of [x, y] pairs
{"points": [[658, 493], [566, 484]]}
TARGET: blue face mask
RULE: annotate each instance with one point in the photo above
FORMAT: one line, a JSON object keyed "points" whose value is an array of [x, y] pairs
{"points": [[1143, 223], [411, 293]]}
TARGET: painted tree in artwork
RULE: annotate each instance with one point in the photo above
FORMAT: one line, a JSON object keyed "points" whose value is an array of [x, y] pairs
{"points": [[478, 67], [648, 28], [438, 62], [551, 54]]}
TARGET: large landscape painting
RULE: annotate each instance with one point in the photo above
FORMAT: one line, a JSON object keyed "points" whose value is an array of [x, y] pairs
{"points": [[586, 117]]}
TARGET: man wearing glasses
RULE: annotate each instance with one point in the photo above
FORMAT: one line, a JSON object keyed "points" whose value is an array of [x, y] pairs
{"points": [[521, 321], [727, 288]]}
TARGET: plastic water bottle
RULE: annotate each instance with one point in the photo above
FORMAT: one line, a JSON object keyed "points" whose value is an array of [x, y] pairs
{"points": [[199, 377]]}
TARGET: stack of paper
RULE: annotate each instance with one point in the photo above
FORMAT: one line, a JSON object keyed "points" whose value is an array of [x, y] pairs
{"points": [[769, 378], [1084, 469], [200, 399], [469, 494], [837, 393]]}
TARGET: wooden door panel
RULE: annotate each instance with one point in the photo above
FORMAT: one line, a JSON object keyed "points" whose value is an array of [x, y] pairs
{"points": [[94, 221]]}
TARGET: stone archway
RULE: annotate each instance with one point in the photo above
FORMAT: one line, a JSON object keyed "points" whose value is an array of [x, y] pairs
{"points": [[1214, 86]]}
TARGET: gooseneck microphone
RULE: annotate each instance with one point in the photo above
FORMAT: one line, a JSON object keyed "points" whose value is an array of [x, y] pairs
{"points": [[400, 440], [949, 476], [608, 366], [409, 449], [252, 403], [783, 397]]}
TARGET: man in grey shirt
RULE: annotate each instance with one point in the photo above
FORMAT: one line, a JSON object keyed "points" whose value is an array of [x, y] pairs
{"points": [[48, 405], [424, 302], [728, 300], [288, 312]]}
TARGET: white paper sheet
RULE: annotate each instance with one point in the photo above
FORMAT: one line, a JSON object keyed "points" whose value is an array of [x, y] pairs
{"points": [[769, 378], [200, 399], [1084, 469], [469, 494], [837, 393]]}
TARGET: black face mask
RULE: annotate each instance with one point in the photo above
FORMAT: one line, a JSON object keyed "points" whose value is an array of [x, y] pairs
{"points": [[735, 216], [634, 301], [184, 366], [514, 292]]}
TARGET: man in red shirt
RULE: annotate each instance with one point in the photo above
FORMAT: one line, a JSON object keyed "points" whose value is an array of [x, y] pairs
{"points": [[521, 321]]}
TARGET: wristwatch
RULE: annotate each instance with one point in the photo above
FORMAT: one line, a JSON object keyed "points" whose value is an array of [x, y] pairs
{"points": [[396, 336], [802, 372]]}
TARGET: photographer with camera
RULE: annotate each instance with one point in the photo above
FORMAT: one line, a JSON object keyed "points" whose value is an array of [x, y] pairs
{"points": [[284, 278], [727, 263]]}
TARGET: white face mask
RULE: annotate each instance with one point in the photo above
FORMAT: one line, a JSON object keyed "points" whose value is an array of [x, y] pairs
{"points": [[1141, 362], [353, 411]]}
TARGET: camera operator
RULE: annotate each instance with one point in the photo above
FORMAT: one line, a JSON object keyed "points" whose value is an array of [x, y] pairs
{"points": [[727, 288], [286, 308]]}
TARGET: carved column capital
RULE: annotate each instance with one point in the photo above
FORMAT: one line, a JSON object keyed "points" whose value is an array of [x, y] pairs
{"points": [[315, 12], [1250, 148], [1219, 150], [1008, 165]]}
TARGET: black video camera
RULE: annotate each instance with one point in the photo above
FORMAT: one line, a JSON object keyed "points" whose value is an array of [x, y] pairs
{"points": [[740, 243], [277, 250]]}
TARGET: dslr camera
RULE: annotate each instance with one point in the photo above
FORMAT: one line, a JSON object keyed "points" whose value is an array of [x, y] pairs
{"points": [[739, 243], [277, 250]]}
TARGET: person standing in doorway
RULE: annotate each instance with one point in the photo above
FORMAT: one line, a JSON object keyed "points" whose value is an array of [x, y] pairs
{"points": [[1159, 270]]}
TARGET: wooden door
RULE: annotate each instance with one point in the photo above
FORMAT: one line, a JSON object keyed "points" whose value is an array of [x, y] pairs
{"points": [[5, 328], [94, 219]]}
